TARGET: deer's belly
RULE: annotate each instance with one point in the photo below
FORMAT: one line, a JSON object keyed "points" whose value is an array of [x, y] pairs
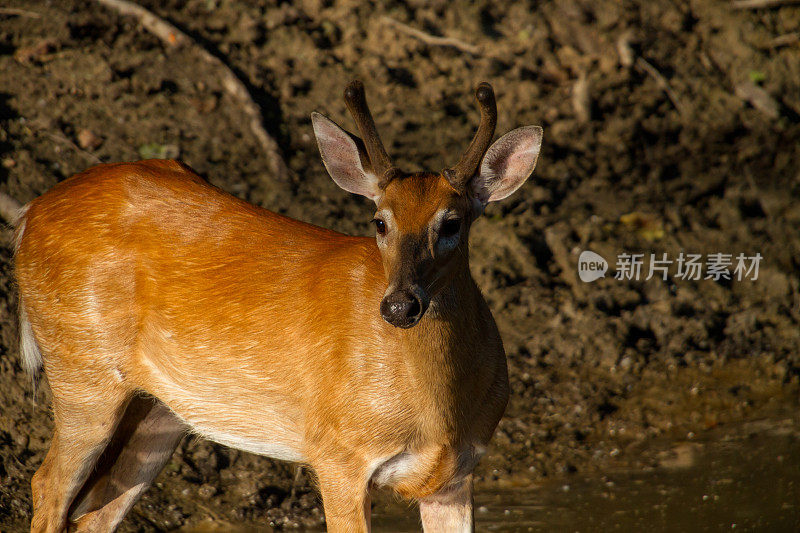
{"points": [[267, 445], [232, 412]]}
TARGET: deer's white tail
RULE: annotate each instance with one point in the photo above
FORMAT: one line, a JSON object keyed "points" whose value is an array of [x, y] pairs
{"points": [[30, 356]]}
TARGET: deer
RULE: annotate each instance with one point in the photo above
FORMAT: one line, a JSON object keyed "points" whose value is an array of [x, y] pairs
{"points": [[159, 305]]}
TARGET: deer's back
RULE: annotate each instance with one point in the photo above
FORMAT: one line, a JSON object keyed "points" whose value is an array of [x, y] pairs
{"points": [[148, 262]]}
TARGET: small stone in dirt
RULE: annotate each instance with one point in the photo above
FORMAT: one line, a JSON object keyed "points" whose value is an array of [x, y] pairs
{"points": [[758, 98], [645, 225], [9, 163], [206, 490], [88, 140], [204, 105], [159, 151]]}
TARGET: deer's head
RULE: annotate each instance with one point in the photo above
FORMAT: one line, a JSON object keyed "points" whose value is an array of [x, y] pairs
{"points": [[423, 219]]}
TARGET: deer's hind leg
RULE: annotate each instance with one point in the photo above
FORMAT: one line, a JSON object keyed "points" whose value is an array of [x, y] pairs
{"points": [[143, 443], [86, 414]]}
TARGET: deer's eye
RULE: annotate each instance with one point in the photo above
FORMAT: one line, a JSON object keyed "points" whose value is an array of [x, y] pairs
{"points": [[450, 227], [380, 226]]}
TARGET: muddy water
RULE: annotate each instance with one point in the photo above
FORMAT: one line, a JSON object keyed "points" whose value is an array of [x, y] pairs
{"points": [[746, 481], [742, 479]]}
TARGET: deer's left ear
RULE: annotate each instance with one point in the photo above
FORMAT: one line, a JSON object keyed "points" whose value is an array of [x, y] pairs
{"points": [[507, 164]]}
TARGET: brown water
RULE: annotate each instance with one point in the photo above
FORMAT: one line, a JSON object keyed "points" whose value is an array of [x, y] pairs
{"points": [[747, 481], [741, 479]]}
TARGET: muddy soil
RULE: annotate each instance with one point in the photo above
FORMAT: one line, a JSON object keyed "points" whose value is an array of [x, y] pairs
{"points": [[669, 127]]}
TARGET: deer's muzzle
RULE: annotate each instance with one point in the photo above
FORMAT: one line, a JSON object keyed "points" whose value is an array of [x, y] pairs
{"points": [[404, 308]]}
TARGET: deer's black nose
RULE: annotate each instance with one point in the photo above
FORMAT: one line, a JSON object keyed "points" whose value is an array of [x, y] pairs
{"points": [[404, 308]]}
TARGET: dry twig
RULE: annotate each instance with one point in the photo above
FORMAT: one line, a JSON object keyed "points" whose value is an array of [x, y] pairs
{"points": [[172, 36], [433, 40], [581, 99], [624, 49], [555, 236], [17, 12], [66, 141], [9, 208], [758, 98], [662, 83], [787, 39], [760, 4]]}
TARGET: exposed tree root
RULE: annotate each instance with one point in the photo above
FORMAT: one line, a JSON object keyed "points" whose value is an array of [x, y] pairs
{"points": [[172, 36], [760, 4], [433, 40]]}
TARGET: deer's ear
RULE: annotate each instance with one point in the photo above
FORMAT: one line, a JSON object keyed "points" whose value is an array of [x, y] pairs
{"points": [[507, 164], [345, 158]]}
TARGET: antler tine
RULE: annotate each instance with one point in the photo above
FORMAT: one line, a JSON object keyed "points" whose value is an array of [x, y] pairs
{"points": [[463, 171], [357, 104]]}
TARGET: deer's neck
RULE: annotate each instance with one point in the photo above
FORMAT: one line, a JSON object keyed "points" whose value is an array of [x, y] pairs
{"points": [[449, 351], [456, 313], [460, 292]]}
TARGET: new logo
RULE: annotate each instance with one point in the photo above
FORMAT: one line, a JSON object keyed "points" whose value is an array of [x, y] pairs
{"points": [[591, 266]]}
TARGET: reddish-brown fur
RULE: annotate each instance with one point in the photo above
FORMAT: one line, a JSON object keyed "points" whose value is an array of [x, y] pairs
{"points": [[142, 277]]}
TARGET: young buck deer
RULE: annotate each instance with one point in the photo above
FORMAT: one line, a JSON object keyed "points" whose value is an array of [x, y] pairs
{"points": [[158, 304]]}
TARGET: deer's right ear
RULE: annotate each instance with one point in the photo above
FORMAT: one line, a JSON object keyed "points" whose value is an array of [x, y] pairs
{"points": [[507, 164], [345, 158]]}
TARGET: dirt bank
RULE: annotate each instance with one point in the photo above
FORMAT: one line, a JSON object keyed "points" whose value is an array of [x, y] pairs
{"points": [[685, 114]]}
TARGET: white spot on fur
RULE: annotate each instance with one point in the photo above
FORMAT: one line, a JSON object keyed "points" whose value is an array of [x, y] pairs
{"points": [[388, 218], [445, 244], [391, 469]]}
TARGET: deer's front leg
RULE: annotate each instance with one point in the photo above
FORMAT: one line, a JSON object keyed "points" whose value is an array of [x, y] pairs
{"points": [[345, 499], [449, 510]]}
